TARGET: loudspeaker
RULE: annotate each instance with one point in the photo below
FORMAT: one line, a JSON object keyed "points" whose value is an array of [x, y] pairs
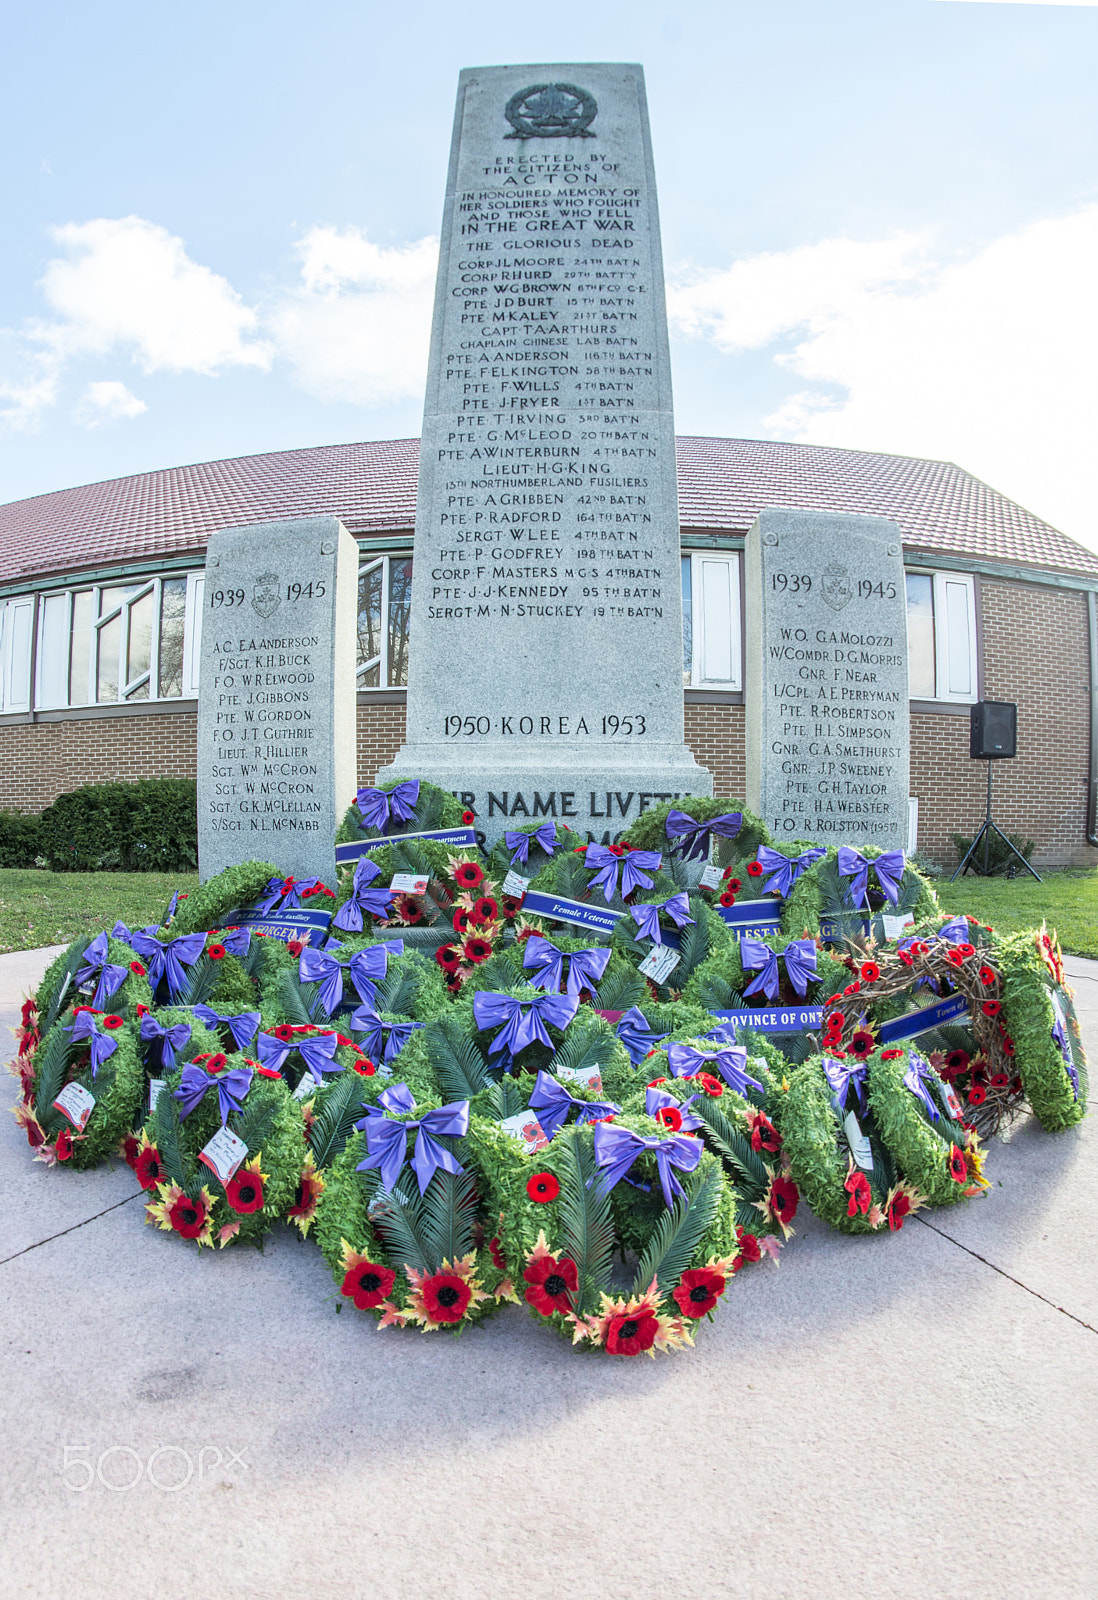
{"points": [[993, 730]]}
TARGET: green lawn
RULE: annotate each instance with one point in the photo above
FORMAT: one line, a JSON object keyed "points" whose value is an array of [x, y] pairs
{"points": [[38, 908], [1066, 900]]}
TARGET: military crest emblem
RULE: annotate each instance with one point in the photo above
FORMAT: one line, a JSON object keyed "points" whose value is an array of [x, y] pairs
{"points": [[836, 587], [266, 598], [551, 111]]}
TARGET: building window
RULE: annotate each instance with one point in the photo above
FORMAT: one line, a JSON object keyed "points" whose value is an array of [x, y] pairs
{"points": [[941, 636], [15, 640], [384, 603], [711, 621]]}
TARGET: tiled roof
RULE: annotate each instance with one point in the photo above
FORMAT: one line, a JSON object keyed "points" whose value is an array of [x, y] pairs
{"points": [[723, 483]]}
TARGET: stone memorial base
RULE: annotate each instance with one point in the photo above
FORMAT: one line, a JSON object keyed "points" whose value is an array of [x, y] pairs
{"points": [[595, 795]]}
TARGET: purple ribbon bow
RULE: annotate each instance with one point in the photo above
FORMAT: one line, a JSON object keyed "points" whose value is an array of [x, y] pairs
{"points": [[785, 869], [102, 1045], [1060, 1040], [545, 962], [635, 864], [120, 931], [956, 931], [110, 976], [241, 1024], [684, 1061], [523, 1020], [617, 1148], [552, 1102], [916, 1078], [286, 893], [168, 960], [196, 1083], [800, 965], [316, 1050], [647, 918], [173, 906], [321, 966], [382, 810], [636, 1035], [363, 899], [169, 1040], [387, 1139], [545, 836], [379, 1034], [693, 836], [841, 1078], [236, 941], [369, 966], [657, 1099], [889, 867]]}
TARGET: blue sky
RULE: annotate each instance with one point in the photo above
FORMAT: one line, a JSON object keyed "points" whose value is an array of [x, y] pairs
{"points": [[880, 225]]}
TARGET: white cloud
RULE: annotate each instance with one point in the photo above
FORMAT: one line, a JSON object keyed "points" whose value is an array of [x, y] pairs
{"points": [[988, 362], [357, 329], [127, 283], [33, 388], [108, 401]]}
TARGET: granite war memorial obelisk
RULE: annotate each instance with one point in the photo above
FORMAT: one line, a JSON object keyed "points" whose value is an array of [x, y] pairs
{"points": [[545, 677]]}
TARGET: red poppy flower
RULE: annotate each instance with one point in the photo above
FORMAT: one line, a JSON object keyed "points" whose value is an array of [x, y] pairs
{"points": [[142, 1011], [63, 1147], [368, 1284], [991, 1008], [764, 1135], [749, 1245], [446, 1296], [957, 1060], [216, 1063], [861, 1195], [712, 1086], [135, 966], [988, 976], [784, 1196], [870, 971], [510, 906], [217, 952], [1015, 1085], [1000, 1080], [977, 1094], [468, 817], [837, 1020], [727, 899], [267, 1072], [542, 1187], [631, 1335], [113, 1021], [698, 1291], [852, 988], [754, 869], [669, 1117], [284, 1033], [958, 1166], [187, 1217], [477, 950], [655, 1084], [891, 1055], [735, 884], [460, 920], [920, 947], [498, 1259], [1008, 1045], [906, 957], [294, 946], [955, 958], [486, 908], [967, 950], [470, 876], [244, 1192], [129, 1149], [897, 1211], [448, 957], [551, 1284], [364, 1067], [863, 1044]]}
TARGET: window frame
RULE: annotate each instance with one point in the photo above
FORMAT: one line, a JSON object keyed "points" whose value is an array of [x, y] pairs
{"points": [[9, 640], [731, 560], [367, 564], [941, 579]]}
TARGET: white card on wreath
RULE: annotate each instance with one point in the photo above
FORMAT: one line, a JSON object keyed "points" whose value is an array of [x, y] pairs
{"points": [[155, 1086], [590, 1077], [660, 963], [896, 927], [306, 1087], [77, 1104], [860, 1147], [408, 883], [515, 885], [223, 1154], [711, 878], [526, 1128], [953, 1105]]}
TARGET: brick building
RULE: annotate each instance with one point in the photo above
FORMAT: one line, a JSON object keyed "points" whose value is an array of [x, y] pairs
{"points": [[101, 586]]}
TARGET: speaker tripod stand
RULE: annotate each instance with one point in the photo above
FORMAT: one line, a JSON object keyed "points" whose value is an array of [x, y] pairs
{"points": [[986, 830]]}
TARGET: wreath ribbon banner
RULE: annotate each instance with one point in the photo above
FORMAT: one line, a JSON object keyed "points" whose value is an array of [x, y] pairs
{"points": [[460, 838], [758, 919], [306, 926], [539, 904]]}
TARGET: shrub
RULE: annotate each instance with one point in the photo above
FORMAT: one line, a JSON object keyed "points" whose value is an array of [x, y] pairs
{"points": [[20, 839], [148, 826]]}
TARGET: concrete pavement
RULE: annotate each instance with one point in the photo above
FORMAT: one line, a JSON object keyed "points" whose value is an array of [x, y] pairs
{"points": [[908, 1417]]}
